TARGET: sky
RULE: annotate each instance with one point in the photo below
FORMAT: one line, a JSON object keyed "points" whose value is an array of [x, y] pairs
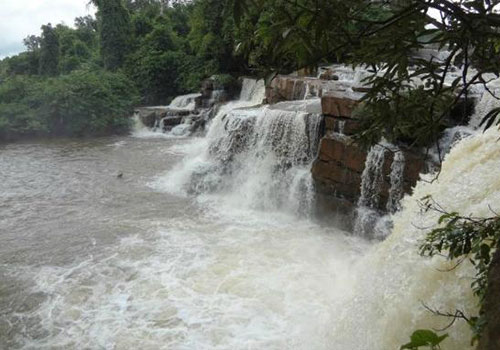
{"points": [[20, 18]]}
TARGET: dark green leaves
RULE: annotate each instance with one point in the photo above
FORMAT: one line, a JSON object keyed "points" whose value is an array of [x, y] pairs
{"points": [[490, 118], [463, 238], [424, 338]]}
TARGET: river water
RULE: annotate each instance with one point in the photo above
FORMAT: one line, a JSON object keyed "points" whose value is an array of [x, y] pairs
{"points": [[92, 261], [207, 243]]}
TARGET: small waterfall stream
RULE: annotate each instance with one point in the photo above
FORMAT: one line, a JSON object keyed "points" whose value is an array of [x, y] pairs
{"points": [[396, 190]]}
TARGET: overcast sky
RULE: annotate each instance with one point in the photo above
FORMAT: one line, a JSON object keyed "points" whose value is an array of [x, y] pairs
{"points": [[20, 18]]}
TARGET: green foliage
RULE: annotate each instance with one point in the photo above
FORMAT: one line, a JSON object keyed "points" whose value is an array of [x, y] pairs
{"points": [[77, 47], [211, 37], [463, 238], [225, 81], [156, 74], [25, 63], [406, 116], [287, 35], [164, 50], [80, 103], [424, 338], [115, 32], [49, 51]]}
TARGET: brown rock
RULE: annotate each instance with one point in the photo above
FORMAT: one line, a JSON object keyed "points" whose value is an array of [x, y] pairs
{"points": [[343, 126], [147, 117], [363, 89], [337, 105], [341, 162], [328, 75], [344, 152]]}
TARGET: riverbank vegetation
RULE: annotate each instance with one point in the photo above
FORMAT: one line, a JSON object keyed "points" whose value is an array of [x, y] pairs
{"points": [[131, 53]]}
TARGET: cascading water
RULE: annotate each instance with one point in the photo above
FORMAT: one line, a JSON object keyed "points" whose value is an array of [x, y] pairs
{"points": [[162, 271], [487, 102], [394, 282], [184, 102], [372, 179], [186, 120], [257, 157], [396, 177]]}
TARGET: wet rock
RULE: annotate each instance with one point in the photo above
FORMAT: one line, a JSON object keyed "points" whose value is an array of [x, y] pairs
{"points": [[338, 105], [171, 120], [339, 166], [292, 88], [147, 116], [217, 89], [328, 75], [345, 126], [362, 89]]}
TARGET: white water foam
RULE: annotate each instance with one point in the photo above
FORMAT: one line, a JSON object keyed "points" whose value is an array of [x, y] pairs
{"points": [[197, 284], [256, 158], [184, 102], [394, 282], [141, 131]]}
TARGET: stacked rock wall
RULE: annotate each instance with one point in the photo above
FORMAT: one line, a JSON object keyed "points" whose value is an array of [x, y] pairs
{"points": [[339, 166]]}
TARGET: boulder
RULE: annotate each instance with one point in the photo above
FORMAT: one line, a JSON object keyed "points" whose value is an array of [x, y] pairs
{"points": [[339, 105], [345, 126], [171, 120], [329, 75], [147, 117]]}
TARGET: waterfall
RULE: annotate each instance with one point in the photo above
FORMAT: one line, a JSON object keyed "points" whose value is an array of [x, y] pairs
{"points": [[372, 181], [485, 104], [341, 126], [369, 221], [258, 157], [394, 282], [253, 90], [264, 156], [396, 176], [184, 102]]}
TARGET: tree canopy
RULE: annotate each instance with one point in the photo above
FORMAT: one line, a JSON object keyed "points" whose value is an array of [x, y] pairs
{"points": [[167, 48]]}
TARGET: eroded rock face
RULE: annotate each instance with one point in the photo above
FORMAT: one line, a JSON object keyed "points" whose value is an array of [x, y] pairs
{"points": [[341, 125], [292, 88], [339, 167], [147, 116], [335, 104], [329, 74], [214, 92]]}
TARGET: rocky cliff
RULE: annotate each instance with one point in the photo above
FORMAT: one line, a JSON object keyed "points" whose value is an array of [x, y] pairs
{"points": [[340, 164]]}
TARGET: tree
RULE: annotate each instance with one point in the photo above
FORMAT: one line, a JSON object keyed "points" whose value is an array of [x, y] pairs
{"points": [[115, 34], [384, 36], [212, 36], [32, 43], [49, 51]]}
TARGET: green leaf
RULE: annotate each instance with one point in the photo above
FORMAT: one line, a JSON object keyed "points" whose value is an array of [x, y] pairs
{"points": [[423, 337]]}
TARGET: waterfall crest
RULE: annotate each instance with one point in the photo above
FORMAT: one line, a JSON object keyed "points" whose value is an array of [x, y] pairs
{"points": [[386, 305], [184, 102], [259, 157]]}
